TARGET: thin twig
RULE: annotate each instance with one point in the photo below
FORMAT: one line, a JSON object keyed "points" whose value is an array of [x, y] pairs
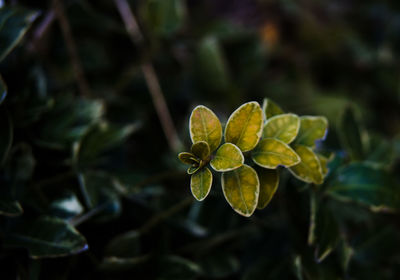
{"points": [[150, 76], [72, 50]]}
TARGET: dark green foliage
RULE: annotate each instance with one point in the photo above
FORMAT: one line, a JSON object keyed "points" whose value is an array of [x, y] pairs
{"points": [[90, 188]]}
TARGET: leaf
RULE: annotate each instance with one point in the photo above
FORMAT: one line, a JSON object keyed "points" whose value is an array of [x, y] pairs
{"points": [[269, 182], [7, 135], [244, 126], [177, 268], [66, 207], [270, 153], [14, 22], [282, 127], [241, 189], [309, 169], [324, 164], [125, 245], [227, 158], [370, 186], [204, 125], [46, 237], [188, 158], [3, 90], [200, 183], [193, 169], [201, 150], [311, 129], [270, 108], [219, 265], [350, 135], [10, 208]]}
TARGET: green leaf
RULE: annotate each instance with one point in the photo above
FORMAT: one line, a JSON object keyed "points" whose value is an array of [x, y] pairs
{"points": [[241, 189], [370, 186], [244, 126], [46, 237], [282, 127], [7, 135], [309, 169], [193, 169], [270, 153], [204, 125], [188, 158], [200, 183], [3, 90], [350, 135], [14, 22], [126, 245], [324, 164], [311, 129], [227, 158], [269, 182], [201, 150], [10, 208], [270, 109]]}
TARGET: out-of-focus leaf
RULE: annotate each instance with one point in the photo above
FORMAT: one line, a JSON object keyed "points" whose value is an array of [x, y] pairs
{"points": [[188, 158], [99, 139], [270, 153], [270, 108], [212, 71], [66, 207], [324, 164], [298, 268], [309, 169], [241, 189], [269, 182], [6, 139], [350, 135], [201, 150], [227, 158], [14, 22], [345, 253], [22, 164], [204, 125], [125, 245], [282, 127], [164, 17], [311, 129], [46, 237], [219, 265], [177, 268], [3, 90], [244, 126], [370, 186], [115, 264], [268, 268], [10, 208], [200, 183], [381, 152]]}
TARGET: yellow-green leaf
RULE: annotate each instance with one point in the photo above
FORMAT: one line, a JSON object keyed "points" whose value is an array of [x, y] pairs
{"points": [[309, 169], [227, 158], [193, 169], [270, 153], [324, 164], [270, 108], [188, 158], [311, 129], [201, 150], [241, 189], [269, 181], [204, 125], [200, 183], [244, 126], [282, 127]]}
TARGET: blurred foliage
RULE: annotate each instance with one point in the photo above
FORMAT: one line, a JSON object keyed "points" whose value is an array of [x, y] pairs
{"points": [[89, 188]]}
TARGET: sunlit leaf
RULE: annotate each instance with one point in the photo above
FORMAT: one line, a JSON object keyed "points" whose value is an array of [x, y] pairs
{"points": [[47, 237], [269, 182], [14, 22], [270, 153], [188, 158], [241, 189], [309, 169], [282, 127], [244, 126], [298, 267], [350, 135], [311, 129], [324, 164], [200, 183], [270, 108], [370, 186], [10, 208], [3, 90], [193, 169], [228, 157], [204, 125], [201, 150]]}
